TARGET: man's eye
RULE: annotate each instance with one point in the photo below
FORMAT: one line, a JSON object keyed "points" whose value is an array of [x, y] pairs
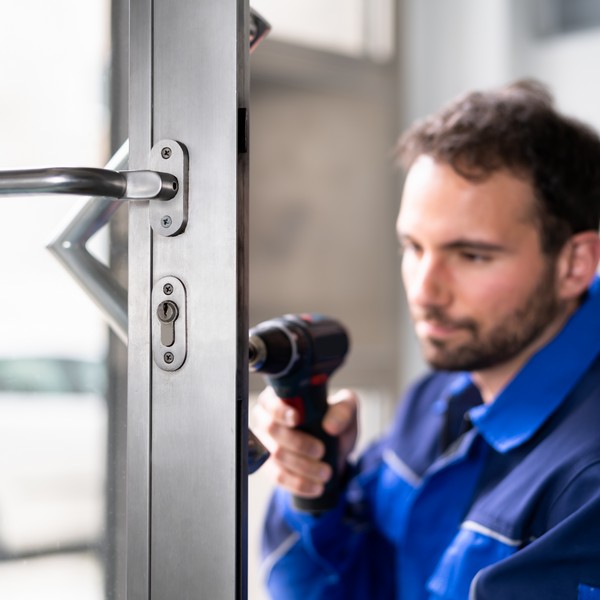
{"points": [[406, 244], [475, 257], [407, 248]]}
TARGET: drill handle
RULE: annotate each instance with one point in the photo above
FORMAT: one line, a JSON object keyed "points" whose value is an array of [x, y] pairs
{"points": [[311, 404]]}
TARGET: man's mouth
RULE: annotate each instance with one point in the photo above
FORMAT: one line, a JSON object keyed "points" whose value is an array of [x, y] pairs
{"points": [[432, 326], [435, 329]]}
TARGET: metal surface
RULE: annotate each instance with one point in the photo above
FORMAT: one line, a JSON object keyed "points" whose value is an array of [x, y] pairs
{"points": [[187, 506], [69, 247], [170, 218], [169, 355], [83, 181], [140, 276], [257, 453]]}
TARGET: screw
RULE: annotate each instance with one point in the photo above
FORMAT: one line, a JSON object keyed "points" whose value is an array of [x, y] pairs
{"points": [[166, 153], [169, 358], [168, 289], [166, 221]]}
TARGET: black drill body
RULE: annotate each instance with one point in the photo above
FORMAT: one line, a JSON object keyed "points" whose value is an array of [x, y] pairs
{"points": [[297, 354]]}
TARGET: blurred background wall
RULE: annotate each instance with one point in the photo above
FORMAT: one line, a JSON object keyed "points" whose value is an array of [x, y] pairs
{"points": [[331, 89]]}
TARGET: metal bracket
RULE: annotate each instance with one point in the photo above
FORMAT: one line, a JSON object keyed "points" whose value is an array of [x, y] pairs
{"points": [[69, 247], [169, 354], [169, 217], [259, 28]]}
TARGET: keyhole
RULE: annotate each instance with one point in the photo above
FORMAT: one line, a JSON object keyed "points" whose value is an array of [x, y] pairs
{"points": [[167, 314]]}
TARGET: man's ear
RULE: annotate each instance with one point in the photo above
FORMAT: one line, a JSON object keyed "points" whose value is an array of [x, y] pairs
{"points": [[577, 264]]}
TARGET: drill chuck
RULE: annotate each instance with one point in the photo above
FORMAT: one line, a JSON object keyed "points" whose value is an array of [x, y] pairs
{"points": [[257, 352], [273, 347]]}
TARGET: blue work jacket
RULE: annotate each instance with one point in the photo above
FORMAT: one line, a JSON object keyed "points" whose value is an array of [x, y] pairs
{"points": [[461, 500]]}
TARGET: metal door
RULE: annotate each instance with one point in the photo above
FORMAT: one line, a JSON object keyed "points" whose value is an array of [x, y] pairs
{"points": [[185, 319]]}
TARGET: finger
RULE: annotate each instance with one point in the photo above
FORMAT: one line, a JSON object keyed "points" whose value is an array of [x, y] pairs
{"points": [[294, 483], [314, 470], [273, 435], [341, 415], [275, 406]]}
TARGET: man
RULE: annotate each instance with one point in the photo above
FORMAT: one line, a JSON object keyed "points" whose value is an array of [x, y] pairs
{"points": [[487, 485]]}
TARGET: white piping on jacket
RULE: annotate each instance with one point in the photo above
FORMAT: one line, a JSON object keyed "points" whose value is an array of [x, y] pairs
{"points": [[473, 585], [276, 555], [401, 468], [477, 528]]}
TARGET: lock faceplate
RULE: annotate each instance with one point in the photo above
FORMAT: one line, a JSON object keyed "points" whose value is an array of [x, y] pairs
{"points": [[169, 323]]}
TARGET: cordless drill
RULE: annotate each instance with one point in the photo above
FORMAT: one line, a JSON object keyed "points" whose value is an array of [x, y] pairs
{"points": [[297, 354]]}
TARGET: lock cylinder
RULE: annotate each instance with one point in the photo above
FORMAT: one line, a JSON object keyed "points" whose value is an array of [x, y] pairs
{"points": [[167, 314]]}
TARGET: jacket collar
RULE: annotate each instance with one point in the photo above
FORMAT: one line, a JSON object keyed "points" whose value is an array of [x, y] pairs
{"points": [[544, 382]]}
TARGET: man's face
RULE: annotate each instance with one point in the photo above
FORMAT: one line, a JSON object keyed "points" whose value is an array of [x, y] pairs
{"points": [[479, 288]]}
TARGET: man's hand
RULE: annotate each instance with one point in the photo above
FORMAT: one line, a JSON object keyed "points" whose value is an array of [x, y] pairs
{"points": [[296, 456]]}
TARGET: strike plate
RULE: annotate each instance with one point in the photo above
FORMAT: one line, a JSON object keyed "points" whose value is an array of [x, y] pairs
{"points": [[169, 324], [169, 217]]}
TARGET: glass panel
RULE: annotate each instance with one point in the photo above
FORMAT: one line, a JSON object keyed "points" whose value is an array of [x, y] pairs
{"points": [[53, 425]]}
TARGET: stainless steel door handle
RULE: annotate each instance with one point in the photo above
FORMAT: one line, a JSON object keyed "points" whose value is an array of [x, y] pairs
{"points": [[120, 185]]}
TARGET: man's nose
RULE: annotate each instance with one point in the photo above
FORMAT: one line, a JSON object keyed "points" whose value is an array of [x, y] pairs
{"points": [[429, 283]]}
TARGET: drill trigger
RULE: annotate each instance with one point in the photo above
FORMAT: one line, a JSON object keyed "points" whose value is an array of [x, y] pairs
{"points": [[319, 379], [298, 403]]}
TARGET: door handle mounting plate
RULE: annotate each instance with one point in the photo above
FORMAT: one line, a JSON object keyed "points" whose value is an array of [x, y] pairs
{"points": [[169, 217]]}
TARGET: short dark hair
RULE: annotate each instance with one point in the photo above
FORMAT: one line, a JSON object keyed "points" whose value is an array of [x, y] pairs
{"points": [[517, 128]]}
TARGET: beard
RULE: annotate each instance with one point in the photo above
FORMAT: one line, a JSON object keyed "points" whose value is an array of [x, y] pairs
{"points": [[505, 340]]}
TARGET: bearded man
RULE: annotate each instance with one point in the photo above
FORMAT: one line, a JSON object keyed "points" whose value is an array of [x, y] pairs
{"points": [[487, 484]]}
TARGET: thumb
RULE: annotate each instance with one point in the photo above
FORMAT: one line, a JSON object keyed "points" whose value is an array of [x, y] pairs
{"points": [[341, 414]]}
